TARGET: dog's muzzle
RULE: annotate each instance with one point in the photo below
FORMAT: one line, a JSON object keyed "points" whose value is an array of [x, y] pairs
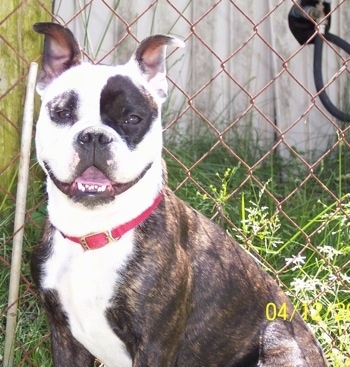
{"points": [[93, 182]]}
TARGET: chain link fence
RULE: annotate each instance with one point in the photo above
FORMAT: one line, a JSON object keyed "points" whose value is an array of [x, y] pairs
{"points": [[247, 143]]}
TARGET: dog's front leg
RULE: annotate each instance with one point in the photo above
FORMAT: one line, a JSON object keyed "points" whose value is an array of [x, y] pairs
{"points": [[143, 360], [67, 351], [158, 353]]}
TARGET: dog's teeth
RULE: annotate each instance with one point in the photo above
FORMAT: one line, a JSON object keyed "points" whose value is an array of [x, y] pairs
{"points": [[91, 188], [81, 187], [102, 188]]}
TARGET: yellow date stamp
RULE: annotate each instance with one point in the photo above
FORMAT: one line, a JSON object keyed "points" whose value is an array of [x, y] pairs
{"points": [[315, 311]]}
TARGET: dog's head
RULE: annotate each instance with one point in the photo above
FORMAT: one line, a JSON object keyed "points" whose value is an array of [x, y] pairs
{"points": [[99, 128]]}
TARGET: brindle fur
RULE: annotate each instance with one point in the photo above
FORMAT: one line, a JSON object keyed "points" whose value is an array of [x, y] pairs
{"points": [[190, 296]]}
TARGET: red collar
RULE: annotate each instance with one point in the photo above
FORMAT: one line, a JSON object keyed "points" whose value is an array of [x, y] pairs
{"points": [[96, 240]]}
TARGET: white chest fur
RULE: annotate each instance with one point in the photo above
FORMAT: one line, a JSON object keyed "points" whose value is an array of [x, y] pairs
{"points": [[85, 282]]}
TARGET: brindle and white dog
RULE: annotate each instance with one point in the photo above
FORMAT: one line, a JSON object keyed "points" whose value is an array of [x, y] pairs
{"points": [[128, 273]]}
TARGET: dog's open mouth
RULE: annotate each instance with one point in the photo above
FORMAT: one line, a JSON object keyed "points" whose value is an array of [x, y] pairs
{"points": [[93, 183]]}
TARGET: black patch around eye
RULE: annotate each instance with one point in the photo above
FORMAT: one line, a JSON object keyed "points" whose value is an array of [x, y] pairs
{"points": [[128, 109], [63, 109]]}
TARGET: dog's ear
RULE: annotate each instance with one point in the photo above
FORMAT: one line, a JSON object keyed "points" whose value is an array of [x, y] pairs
{"points": [[150, 59], [61, 52]]}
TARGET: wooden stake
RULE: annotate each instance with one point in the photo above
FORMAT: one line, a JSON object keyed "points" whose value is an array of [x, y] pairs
{"points": [[21, 198]]}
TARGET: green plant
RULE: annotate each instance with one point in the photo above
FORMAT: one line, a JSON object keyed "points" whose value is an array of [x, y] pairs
{"points": [[316, 281]]}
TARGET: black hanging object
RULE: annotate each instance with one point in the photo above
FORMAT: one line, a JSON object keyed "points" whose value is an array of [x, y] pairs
{"points": [[301, 25]]}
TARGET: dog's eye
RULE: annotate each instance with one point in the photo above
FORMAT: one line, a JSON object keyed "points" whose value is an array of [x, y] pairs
{"points": [[132, 119], [63, 109], [61, 115], [64, 114]]}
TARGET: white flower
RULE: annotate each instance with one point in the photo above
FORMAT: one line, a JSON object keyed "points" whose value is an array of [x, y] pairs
{"points": [[329, 251], [296, 260], [298, 285]]}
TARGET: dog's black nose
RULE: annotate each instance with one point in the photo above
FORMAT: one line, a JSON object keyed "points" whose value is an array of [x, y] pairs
{"points": [[88, 137]]}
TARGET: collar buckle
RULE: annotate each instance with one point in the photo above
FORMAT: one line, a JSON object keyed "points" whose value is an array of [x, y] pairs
{"points": [[96, 240]]}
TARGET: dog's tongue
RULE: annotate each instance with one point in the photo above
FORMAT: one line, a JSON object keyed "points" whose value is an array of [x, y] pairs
{"points": [[92, 180], [94, 176]]}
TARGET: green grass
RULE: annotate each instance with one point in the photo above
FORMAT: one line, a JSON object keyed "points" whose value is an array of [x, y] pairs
{"points": [[311, 262]]}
